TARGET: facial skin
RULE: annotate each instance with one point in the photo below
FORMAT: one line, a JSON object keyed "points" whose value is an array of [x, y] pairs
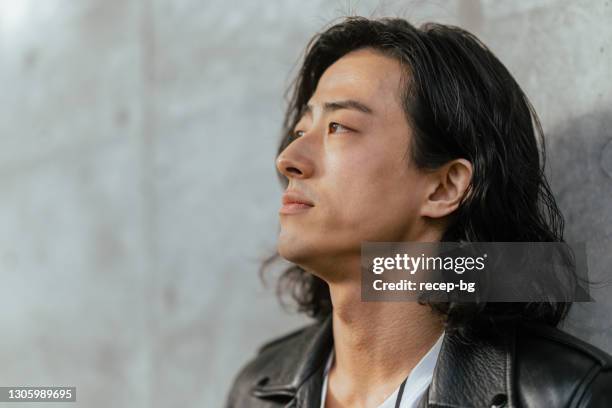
{"points": [[355, 168]]}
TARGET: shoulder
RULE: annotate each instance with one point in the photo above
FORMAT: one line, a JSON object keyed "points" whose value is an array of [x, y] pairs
{"points": [[571, 371], [270, 354]]}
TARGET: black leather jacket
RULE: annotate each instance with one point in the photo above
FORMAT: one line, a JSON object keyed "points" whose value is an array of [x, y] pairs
{"points": [[528, 366]]}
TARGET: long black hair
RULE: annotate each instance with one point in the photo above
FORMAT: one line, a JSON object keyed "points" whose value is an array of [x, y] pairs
{"points": [[461, 102]]}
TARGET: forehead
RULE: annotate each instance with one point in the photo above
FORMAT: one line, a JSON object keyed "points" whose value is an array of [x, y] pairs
{"points": [[364, 75]]}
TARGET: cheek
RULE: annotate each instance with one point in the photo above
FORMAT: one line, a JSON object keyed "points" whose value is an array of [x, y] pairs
{"points": [[370, 191]]}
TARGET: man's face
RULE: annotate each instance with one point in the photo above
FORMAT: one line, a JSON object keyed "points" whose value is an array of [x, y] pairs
{"points": [[351, 163]]}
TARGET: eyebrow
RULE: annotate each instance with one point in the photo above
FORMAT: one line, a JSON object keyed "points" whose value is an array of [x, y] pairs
{"points": [[338, 105]]}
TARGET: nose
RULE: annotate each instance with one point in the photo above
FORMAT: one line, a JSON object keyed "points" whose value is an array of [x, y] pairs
{"points": [[294, 162]]}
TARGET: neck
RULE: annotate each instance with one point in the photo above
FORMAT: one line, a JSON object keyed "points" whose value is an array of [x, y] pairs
{"points": [[376, 344]]}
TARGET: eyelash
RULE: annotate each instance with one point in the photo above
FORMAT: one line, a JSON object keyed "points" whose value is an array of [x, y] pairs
{"points": [[296, 133]]}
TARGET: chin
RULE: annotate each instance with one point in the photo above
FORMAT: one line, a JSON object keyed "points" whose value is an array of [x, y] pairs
{"points": [[297, 248], [291, 251]]}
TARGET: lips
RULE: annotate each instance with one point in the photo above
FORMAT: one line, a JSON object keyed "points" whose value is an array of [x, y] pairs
{"points": [[295, 202], [294, 197]]}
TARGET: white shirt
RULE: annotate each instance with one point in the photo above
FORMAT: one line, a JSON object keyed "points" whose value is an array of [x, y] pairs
{"points": [[416, 384]]}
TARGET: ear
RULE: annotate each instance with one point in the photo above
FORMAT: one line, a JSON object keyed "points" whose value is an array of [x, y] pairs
{"points": [[446, 187]]}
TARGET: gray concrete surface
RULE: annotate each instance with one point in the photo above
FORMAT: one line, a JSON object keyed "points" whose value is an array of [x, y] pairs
{"points": [[137, 184]]}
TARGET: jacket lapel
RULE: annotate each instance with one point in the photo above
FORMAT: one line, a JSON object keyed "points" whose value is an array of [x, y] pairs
{"points": [[472, 370], [296, 378]]}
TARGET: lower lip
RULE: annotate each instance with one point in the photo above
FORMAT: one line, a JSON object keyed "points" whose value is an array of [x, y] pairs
{"points": [[294, 208]]}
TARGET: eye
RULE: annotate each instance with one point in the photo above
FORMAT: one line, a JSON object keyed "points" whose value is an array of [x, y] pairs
{"points": [[335, 127]]}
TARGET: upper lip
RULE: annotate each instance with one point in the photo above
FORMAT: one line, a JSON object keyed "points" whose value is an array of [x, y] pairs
{"points": [[295, 197]]}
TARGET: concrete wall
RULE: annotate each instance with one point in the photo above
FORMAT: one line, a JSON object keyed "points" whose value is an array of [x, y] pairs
{"points": [[138, 190]]}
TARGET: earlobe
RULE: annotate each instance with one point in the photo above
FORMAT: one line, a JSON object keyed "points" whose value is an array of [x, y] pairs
{"points": [[449, 184]]}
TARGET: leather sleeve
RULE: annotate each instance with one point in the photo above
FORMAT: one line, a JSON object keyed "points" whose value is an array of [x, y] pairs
{"points": [[599, 393]]}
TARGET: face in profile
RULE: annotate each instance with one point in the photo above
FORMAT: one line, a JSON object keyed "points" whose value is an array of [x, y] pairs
{"points": [[350, 178]]}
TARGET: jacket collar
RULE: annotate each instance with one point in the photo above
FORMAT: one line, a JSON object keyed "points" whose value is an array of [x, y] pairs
{"points": [[475, 370], [293, 370], [471, 371]]}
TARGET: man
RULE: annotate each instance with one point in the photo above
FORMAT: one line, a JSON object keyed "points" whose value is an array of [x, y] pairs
{"points": [[399, 134]]}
